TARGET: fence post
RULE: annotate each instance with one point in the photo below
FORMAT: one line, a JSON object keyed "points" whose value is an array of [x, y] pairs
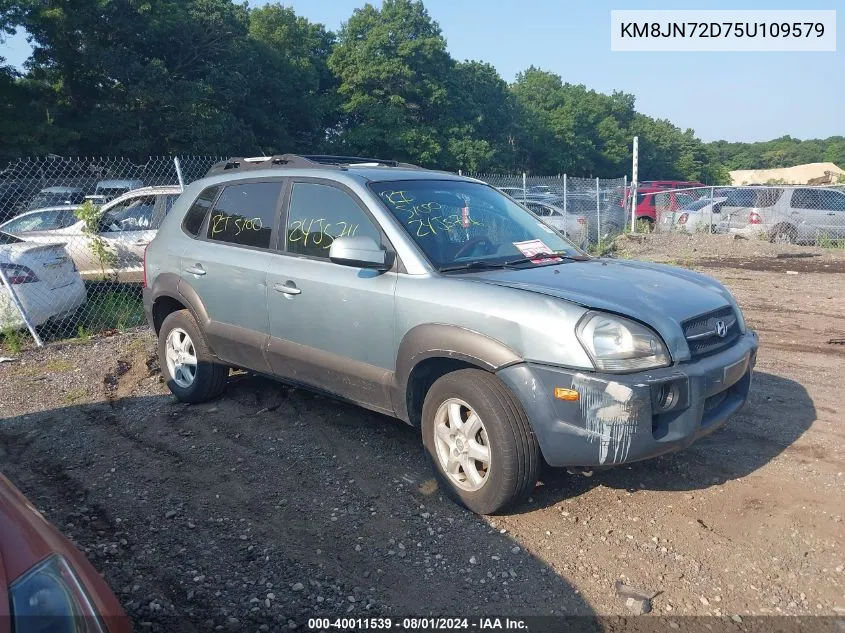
{"points": [[14, 296], [523, 186], [712, 206], [598, 213], [179, 173], [624, 193], [564, 195], [634, 181]]}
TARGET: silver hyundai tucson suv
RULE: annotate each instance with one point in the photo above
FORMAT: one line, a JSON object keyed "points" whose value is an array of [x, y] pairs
{"points": [[438, 300]]}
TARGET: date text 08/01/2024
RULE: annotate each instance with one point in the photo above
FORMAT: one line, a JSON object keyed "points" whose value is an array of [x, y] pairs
{"points": [[417, 624]]}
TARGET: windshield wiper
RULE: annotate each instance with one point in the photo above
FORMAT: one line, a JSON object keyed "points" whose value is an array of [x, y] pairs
{"points": [[542, 258], [476, 265]]}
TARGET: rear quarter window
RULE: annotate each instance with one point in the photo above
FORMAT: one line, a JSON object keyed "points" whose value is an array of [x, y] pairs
{"points": [[196, 214]]}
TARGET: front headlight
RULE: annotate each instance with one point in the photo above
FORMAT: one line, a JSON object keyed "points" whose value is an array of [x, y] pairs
{"points": [[618, 345], [49, 597]]}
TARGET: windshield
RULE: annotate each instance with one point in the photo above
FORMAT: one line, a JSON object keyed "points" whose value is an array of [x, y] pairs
{"points": [[697, 205], [131, 215], [458, 222], [53, 199], [111, 192]]}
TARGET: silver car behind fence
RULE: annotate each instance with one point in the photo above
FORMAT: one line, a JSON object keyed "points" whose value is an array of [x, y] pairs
{"points": [[787, 214]]}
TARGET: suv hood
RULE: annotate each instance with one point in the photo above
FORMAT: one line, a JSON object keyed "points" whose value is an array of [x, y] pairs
{"points": [[659, 295]]}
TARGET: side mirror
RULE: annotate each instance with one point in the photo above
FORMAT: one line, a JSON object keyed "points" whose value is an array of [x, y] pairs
{"points": [[359, 251]]}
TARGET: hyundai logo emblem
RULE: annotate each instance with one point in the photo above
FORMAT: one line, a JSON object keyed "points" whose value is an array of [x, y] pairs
{"points": [[721, 329]]}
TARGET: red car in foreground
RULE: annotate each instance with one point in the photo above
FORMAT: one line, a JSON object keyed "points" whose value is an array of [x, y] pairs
{"points": [[46, 584]]}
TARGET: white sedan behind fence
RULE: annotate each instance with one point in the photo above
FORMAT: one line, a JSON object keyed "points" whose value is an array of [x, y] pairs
{"points": [[40, 279]]}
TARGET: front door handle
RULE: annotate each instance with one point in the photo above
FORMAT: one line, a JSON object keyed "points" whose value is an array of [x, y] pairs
{"points": [[832, 213], [195, 270], [288, 288]]}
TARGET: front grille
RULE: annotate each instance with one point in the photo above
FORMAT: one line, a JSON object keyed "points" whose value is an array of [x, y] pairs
{"points": [[701, 334]]}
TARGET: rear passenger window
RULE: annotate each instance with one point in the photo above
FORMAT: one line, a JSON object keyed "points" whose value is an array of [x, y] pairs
{"points": [[319, 214], [804, 199], [196, 214], [245, 214]]}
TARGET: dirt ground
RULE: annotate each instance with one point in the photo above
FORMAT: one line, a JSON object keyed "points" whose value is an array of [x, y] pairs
{"points": [[273, 505]]}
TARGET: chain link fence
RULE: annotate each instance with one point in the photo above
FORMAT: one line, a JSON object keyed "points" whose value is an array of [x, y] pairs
{"points": [[589, 211], [787, 214], [72, 238], [73, 231]]}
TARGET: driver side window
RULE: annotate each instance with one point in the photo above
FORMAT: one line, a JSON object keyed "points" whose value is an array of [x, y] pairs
{"points": [[319, 214], [132, 215], [832, 200]]}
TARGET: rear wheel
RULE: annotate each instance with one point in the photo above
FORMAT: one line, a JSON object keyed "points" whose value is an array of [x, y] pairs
{"points": [[784, 234], [186, 362], [479, 441]]}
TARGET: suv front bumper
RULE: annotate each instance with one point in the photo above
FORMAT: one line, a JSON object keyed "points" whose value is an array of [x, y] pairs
{"points": [[624, 418]]}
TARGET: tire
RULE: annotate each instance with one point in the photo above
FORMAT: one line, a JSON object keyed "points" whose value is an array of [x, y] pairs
{"points": [[784, 234], [514, 459], [208, 379]]}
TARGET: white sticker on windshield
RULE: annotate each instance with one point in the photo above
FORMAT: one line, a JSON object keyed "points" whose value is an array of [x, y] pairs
{"points": [[530, 248]]}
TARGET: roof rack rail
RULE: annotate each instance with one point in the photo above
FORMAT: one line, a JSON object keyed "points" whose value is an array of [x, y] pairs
{"points": [[302, 161]]}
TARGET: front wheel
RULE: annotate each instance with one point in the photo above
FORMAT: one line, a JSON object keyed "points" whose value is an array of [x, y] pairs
{"points": [[479, 441]]}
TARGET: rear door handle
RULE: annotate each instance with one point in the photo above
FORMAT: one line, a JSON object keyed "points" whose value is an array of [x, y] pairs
{"points": [[141, 242], [195, 270], [287, 289], [832, 213]]}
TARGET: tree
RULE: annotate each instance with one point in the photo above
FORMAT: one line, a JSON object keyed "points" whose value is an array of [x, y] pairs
{"points": [[295, 102], [144, 77], [393, 68], [127, 77], [568, 128], [482, 117]]}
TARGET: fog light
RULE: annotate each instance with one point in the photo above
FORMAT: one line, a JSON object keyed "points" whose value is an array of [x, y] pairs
{"points": [[566, 394], [667, 397]]}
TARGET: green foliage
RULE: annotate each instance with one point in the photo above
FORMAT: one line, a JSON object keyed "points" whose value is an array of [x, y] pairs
{"points": [[826, 241], [781, 152], [12, 338], [90, 214], [393, 69], [111, 308], [153, 77]]}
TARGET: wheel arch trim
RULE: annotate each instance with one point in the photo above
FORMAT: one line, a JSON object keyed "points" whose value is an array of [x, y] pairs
{"points": [[452, 342]]}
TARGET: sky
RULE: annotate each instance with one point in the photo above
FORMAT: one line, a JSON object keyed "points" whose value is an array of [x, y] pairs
{"points": [[721, 95]]}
